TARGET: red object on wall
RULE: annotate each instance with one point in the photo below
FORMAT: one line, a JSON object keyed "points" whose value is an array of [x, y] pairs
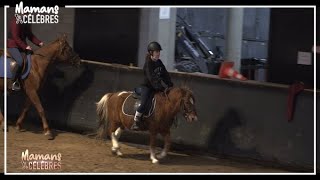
{"points": [[294, 90], [227, 71]]}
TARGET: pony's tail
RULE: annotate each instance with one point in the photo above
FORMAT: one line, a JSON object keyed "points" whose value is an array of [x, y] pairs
{"points": [[102, 111]]}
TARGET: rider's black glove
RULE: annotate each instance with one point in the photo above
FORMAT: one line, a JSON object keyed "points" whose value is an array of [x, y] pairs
{"points": [[170, 84], [28, 51]]}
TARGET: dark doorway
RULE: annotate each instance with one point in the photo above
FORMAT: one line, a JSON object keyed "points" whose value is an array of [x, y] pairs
{"points": [[291, 31], [107, 35]]}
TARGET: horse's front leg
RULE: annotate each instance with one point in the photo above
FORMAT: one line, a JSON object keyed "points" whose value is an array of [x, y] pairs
{"points": [[152, 147], [166, 148], [23, 114], [34, 98]]}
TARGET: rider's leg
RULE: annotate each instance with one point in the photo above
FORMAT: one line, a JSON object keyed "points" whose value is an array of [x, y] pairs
{"points": [[145, 96], [16, 55], [137, 115]]}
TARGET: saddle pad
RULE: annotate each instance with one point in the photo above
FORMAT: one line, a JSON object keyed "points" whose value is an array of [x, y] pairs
{"points": [[131, 104], [9, 73]]}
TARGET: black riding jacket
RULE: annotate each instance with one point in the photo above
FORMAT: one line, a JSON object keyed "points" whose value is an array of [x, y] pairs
{"points": [[155, 72]]}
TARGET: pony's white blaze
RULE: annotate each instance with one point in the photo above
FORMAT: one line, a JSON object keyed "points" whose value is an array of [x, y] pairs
{"points": [[191, 101]]}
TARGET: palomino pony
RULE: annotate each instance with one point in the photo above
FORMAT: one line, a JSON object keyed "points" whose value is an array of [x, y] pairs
{"points": [[56, 51], [113, 120]]}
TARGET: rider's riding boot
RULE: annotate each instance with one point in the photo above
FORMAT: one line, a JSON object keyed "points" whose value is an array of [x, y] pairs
{"points": [[137, 119]]}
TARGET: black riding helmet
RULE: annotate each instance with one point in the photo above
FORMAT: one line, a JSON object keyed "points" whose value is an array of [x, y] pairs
{"points": [[154, 46]]}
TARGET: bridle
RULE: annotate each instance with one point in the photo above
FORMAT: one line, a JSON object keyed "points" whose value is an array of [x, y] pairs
{"points": [[73, 57], [185, 110]]}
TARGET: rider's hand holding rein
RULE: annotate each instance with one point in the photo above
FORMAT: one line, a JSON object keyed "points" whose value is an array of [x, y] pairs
{"points": [[29, 50]]}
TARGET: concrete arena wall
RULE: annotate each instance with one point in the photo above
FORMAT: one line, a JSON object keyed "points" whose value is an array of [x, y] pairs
{"points": [[239, 119]]}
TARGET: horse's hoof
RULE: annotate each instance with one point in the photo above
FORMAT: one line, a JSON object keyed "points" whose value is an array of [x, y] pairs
{"points": [[19, 129], [49, 135], [3, 129], [160, 156], [155, 161]]}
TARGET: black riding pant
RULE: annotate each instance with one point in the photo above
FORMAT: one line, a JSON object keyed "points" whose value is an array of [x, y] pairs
{"points": [[146, 99]]}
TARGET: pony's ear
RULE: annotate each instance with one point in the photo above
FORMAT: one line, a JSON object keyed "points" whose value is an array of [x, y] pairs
{"points": [[57, 37], [63, 38], [184, 84]]}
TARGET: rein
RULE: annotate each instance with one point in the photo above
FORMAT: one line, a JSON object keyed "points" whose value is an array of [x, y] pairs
{"points": [[39, 55], [166, 93]]}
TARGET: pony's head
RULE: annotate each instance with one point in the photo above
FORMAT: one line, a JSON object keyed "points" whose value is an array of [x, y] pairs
{"points": [[65, 52], [188, 105]]}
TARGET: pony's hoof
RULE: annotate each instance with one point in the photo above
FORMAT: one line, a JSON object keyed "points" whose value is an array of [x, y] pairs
{"points": [[49, 135], [116, 152], [155, 161], [119, 153]]}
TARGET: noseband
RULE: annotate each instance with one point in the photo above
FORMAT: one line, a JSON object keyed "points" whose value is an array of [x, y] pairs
{"points": [[186, 111], [74, 55]]}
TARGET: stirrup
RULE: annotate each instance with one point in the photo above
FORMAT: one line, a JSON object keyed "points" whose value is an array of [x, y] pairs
{"points": [[134, 126], [16, 86]]}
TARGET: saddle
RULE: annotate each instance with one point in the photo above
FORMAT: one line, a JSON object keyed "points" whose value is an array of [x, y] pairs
{"points": [[133, 101], [12, 65]]}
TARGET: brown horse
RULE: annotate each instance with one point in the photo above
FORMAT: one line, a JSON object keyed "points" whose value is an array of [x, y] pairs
{"points": [[56, 51], [113, 120]]}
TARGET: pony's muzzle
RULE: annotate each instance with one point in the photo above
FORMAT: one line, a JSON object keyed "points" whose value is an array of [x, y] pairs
{"points": [[192, 118], [195, 118]]}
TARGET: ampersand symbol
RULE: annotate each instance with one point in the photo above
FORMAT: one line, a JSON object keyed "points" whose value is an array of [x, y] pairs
{"points": [[18, 19]]}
